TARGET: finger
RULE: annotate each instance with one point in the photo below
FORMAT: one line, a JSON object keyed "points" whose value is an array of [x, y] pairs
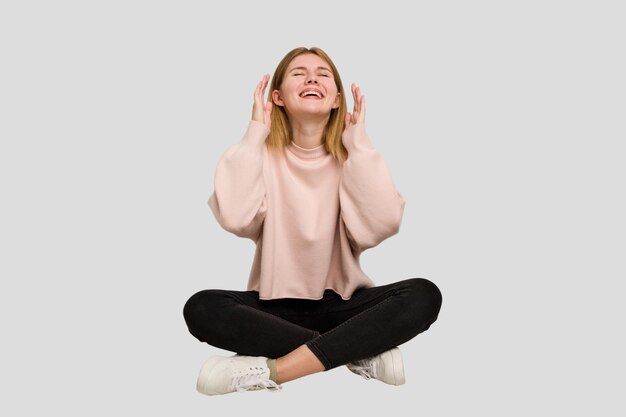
{"points": [[265, 82], [260, 89], [361, 109], [357, 100], [258, 106], [348, 119]]}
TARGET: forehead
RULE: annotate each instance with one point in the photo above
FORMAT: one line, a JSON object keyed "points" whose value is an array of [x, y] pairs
{"points": [[309, 61]]}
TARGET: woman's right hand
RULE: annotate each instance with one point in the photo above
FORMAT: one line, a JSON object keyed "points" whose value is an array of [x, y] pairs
{"points": [[261, 111]]}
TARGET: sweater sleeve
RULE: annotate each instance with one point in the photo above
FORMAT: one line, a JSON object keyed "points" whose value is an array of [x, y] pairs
{"points": [[371, 206], [239, 201]]}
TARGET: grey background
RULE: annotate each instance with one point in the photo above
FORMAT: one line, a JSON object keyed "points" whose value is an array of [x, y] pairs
{"points": [[501, 123]]}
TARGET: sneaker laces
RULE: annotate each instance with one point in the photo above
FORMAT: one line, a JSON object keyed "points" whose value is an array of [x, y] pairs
{"points": [[364, 368], [252, 379]]}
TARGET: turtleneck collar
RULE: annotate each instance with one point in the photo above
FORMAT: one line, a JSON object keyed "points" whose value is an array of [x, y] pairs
{"points": [[304, 153]]}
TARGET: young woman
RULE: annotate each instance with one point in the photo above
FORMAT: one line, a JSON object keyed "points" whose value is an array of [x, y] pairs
{"points": [[306, 185]]}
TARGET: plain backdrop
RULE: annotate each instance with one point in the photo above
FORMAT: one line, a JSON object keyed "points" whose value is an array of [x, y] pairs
{"points": [[502, 122]]}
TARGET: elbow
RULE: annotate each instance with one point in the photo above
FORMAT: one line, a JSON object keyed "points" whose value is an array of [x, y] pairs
{"points": [[245, 225], [392, 227], [241, 222], [366, 234], [242, 226], [376, 234], [394, 219], [228, 222], [232, 225]]}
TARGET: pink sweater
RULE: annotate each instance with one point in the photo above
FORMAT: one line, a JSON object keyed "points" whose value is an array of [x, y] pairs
{"points": [[310, 216]]}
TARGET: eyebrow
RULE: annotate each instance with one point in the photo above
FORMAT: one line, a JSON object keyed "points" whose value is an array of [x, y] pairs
{"points": [[304, 68]]}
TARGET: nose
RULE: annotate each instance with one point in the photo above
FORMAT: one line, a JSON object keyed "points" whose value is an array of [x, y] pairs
{"points": [[311, 80]]}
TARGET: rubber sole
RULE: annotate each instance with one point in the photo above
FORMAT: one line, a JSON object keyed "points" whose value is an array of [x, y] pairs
{"points": [[397, 366]]}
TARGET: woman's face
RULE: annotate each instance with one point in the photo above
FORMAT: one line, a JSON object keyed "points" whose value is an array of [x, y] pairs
{"points": [[308, 87]]}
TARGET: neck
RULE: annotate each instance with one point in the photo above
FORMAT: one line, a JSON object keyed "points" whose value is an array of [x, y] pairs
{"points": [[308, 134]]}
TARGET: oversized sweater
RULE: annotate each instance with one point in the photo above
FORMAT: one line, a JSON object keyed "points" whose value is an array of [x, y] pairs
{"points": [[310, 215]]}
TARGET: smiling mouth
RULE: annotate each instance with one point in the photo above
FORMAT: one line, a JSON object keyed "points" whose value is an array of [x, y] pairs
{"points": [[311, 94]]}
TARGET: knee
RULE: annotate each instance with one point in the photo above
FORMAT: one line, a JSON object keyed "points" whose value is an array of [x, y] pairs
{"points": [[199, 306], [426, 296]]}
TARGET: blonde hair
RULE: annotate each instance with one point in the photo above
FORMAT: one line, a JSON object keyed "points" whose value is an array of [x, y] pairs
{"points": [[280, 132]]}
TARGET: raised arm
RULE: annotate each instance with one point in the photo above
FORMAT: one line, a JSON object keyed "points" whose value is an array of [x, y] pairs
{"points": [[371, 206], [239, 197]]}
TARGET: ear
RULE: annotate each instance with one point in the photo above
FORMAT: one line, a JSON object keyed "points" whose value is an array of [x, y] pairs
{"points": [[277, 99], [336, 103]]}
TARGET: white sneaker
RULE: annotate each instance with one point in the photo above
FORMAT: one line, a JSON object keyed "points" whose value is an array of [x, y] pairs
{"points": [[386, 367], [221, 375]]}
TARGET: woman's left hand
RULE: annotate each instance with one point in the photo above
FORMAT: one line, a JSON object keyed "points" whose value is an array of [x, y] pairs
{"points": [[358, 114]]}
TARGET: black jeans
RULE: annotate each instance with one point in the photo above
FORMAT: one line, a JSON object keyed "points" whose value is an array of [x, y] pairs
{"points": [[337, 331]]}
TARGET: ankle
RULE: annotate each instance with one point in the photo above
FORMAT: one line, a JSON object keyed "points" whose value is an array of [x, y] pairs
{"points": [[271, 363]]}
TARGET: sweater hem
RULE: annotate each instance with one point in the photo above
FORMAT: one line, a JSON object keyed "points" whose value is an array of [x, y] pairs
{"points": [[278, 297]]}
